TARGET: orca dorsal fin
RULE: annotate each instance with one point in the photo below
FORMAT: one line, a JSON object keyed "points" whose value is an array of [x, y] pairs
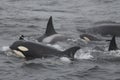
{"points": [[50, 28], [71, 52], [113, 45]]}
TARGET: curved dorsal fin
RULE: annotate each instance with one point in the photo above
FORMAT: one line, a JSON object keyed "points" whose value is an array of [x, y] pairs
{"points": [[50, 28], [71, 51], [113, 45]]}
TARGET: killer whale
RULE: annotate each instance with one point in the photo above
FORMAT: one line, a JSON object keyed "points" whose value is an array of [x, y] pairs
{"points": [[113, 45], [88, 37], [30, 50], [103, 29], [50, 35]]}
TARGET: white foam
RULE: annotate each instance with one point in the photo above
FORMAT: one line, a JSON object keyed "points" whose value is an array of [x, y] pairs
{"points": [[115, 53], [65, 59], [83, 54], [5, 48]]}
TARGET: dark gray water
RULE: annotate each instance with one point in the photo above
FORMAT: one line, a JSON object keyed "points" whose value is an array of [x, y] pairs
{"points": [[29, 17]]}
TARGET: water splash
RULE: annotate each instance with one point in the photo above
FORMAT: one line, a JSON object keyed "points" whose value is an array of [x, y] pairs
{"points": [[114, 53], [5, 48], [84, 54]]}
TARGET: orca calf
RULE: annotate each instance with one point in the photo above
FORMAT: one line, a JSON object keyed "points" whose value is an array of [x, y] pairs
{"points": [[113, 45], [30, 50], [103, 29], [50, 35]]}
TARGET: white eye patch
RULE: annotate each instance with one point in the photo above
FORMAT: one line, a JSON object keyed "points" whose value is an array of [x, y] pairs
{"points": [[18, 53], [87, 39], [22, 48]]}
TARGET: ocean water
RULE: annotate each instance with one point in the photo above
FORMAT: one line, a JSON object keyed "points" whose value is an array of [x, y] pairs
{"points": [[29, 17]]}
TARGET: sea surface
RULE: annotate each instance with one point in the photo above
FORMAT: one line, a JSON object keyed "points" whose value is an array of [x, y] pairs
{"points": [[29, 18]]}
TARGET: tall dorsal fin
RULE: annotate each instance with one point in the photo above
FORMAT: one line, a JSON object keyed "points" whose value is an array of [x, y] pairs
{"points": [[50, 28], [71, 51], [113, 45]]}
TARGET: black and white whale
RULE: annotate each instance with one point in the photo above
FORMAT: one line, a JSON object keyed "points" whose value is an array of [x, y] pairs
{"points": [[30, 50], [113, 45], [103, 29], [51, 36], [88, 37]]}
